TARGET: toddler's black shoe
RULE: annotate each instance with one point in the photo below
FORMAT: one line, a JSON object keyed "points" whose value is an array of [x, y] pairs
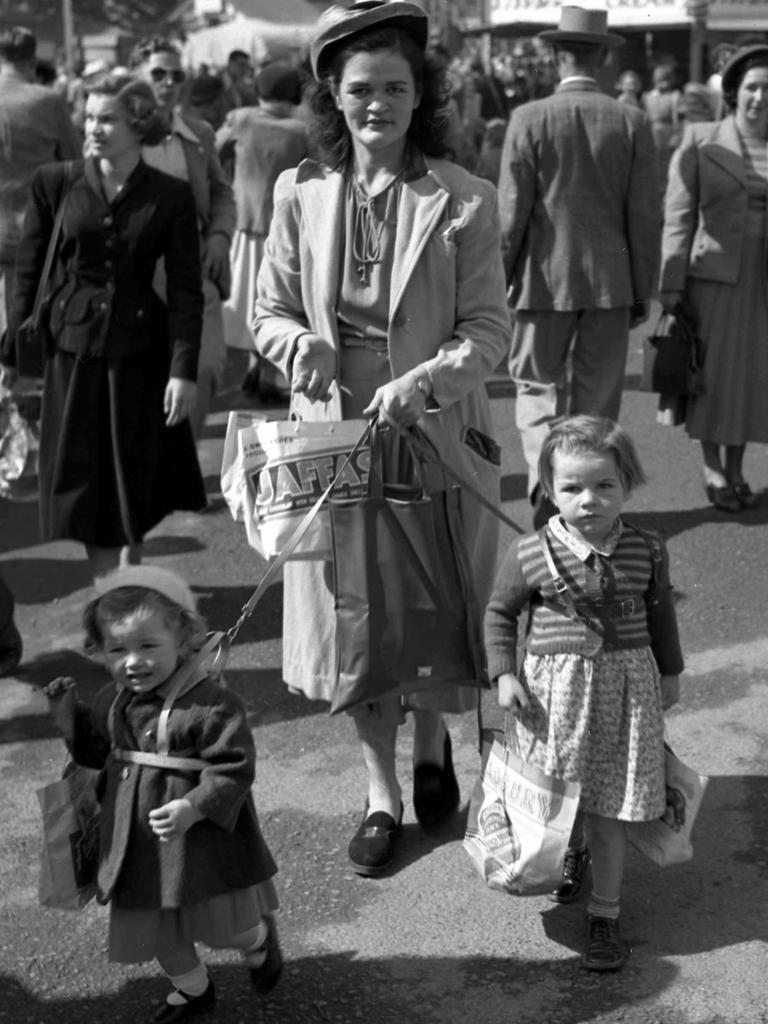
{"points": [[266, 976], [435, 789], [371, 847], [606, 950], [191, 1007], [575, 865]]}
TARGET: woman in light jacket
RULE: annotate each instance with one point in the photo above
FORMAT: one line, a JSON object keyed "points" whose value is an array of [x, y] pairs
{"points": [[714, 255], [382, 291]]}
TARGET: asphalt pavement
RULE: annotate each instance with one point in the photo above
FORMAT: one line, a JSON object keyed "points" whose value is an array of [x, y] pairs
{"points": [[427, 943]]}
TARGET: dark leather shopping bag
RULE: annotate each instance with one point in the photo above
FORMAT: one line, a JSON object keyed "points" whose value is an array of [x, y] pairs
{"points": [[406, 615]]}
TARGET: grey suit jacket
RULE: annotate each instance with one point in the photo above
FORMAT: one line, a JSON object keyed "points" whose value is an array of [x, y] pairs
{"points": [[35, 129], [706, 207], [579, 202]]}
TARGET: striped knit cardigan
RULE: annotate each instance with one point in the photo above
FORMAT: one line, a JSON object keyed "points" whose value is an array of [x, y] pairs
{"points": [[631, 608]]}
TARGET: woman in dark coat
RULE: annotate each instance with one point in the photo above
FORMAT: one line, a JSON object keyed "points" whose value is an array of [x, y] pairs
{"points": [[116, 451]]}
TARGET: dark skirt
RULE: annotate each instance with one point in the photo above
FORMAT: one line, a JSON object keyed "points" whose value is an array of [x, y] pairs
{"points": [[110, 469]]}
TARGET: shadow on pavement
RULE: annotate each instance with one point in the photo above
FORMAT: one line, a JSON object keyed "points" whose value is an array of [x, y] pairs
{"points": [[341, 989], [673, 522], [18, 524], [714, 901], [37, 580], [267, 699], [221, 606]]}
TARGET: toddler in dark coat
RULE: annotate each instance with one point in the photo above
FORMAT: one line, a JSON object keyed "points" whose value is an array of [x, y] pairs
{"points": [[182, 859]]}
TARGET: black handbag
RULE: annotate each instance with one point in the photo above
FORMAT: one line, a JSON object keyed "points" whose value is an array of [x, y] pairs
{"points": [[33, 338], [672, 356], [406, 615]]}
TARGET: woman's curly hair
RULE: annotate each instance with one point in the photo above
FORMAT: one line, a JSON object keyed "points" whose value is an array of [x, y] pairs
{"points": [[427, 130], [137, 100], [127, 602]]}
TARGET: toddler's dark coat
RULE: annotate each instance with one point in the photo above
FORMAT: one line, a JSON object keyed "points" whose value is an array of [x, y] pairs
{"points": [[223, 852]]}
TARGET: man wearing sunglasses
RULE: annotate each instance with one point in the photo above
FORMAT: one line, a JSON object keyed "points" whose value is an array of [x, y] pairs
{"points": [[189, 152]]}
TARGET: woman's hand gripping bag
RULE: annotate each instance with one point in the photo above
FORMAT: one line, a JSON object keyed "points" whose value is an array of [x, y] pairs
{"points": [[519, 820]]}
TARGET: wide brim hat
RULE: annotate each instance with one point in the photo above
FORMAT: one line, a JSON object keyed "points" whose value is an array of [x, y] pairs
{"points": [[153, 577], [337, 24], [582, 25], [733, 69]]}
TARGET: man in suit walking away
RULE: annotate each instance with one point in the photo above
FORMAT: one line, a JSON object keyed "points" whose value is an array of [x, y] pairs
{"points": [[581, 223], [35, 128]]}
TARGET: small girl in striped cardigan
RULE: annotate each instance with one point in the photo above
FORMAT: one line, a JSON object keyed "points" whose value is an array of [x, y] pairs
{"points": [[602, 658]]}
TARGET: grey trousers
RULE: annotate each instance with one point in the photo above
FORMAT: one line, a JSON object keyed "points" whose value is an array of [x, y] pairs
{"points": [[595, 341]]}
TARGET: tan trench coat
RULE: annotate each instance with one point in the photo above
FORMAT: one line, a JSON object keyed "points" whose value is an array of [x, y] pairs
{"points": [[448, 315]]}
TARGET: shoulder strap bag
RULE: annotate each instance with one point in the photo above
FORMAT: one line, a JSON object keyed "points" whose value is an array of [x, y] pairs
{"points": [[33, 340]]}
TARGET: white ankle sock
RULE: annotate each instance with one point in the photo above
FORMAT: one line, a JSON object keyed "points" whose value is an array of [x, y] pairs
{"points": [[599, 906], [254, 952], [193, 983]]}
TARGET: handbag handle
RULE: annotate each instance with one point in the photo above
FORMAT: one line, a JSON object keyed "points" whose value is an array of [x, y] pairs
{"points": [[377, 482], [53, 241], [429, 453]]}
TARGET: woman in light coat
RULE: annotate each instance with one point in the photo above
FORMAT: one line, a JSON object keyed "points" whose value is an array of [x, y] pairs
{"points": [[382, 291], [713, 254]]}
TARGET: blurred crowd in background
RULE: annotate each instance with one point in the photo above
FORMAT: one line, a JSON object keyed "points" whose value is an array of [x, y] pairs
{"points": [[484, 92]]}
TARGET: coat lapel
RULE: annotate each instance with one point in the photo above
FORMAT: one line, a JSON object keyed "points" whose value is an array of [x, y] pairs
{"points": [[421, 207], [724, 149], [322, 205]]}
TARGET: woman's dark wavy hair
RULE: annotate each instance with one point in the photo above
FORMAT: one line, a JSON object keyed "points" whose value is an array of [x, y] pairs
{"points": [[137, 100], [730, 96], [330, 135]]}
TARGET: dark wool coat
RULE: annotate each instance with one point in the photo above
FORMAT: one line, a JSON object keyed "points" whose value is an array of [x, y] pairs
{"points": [[110, 469], [223, 852], [103, 303]]}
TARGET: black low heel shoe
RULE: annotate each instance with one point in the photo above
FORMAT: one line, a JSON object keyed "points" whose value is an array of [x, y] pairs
{"points": [[745, 495], [192, 1006], [372, 846], [723, 498], [435, 789]]}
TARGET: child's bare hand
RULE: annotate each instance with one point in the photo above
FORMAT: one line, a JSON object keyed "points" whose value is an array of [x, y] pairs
{"points": [[61, 701], [670, 691], [512, 693], [173, 819]]}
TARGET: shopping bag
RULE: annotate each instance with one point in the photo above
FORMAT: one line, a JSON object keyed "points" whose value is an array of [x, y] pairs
{"points": [[287, 464], [70, 854], [19, 444], [233, 461], [667, 840], [519, 821], [406, 613]]}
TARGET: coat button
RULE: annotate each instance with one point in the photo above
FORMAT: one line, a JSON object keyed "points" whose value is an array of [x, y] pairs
{"points": [[102, 305], [107, 263], [125, 773]]}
